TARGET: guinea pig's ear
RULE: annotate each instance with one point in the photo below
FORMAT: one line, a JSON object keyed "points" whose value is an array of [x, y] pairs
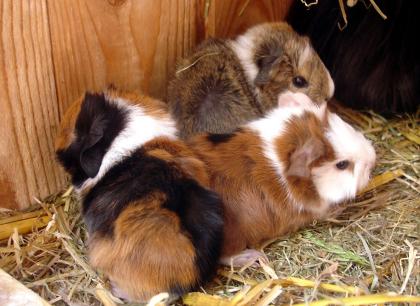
{"points": [[303, 156], [91, 154], [93, 124], [269, 57], [265, 64]]}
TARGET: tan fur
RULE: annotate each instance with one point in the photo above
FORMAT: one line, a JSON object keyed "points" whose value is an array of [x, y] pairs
{"points": [[151, 260], [298, 58], [181, 156], [152, 107], [66, 135], [257, 207], [300, 130], [197, 108]]}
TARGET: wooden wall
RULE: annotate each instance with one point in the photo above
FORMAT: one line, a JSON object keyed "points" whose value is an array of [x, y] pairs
{"points": [[53, 50]]}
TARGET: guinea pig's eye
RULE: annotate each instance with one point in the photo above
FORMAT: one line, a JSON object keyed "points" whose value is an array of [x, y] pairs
{"points": [[342, 165], [299, 81]]}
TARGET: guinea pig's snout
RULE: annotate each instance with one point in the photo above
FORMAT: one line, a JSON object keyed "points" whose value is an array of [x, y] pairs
{"points": [[365, 175]]}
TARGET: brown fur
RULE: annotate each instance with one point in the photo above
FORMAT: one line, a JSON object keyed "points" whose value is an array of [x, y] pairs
{"points": [[66, 132], [211, 92], [289, 47], [257, 207], [159, 242], [299, 132], [181, 156], [152, 107], [149, 245], [136, 262], [204, 84]]}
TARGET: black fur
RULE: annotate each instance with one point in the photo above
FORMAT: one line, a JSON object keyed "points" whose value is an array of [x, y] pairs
{"points": [[219, 138], [97, 125], [374, 62], [136, 177]]}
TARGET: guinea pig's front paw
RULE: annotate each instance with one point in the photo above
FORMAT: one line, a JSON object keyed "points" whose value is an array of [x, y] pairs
{"points": [[118, 292], [248, 257], [293, 99]]}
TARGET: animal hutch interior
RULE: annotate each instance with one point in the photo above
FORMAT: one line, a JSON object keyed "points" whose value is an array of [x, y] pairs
{"points": [[107, 57]]}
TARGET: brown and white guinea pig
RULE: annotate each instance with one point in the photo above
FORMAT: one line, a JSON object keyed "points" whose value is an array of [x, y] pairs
{"points": [[227, 83], [281, 172], [154, 225]]}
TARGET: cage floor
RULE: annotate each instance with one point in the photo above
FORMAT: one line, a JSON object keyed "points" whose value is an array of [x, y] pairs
{"points": [[365, 253]]}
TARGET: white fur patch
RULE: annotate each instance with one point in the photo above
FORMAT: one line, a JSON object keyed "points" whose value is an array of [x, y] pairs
{"points": [[270, 128], [336, 185], [331, 85], [333, 185], [244, 48], [305, 55], [273, 124], [140, 128]]}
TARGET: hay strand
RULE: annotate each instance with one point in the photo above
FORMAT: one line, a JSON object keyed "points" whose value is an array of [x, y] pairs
{"points": [[365, 300], [23, 226]]}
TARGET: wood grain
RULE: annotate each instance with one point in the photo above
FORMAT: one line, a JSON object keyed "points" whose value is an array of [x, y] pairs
{"points": [[229, 18], [131, 44], [28, 109]]}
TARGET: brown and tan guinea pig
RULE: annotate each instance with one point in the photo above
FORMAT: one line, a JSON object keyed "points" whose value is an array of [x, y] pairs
{"points": [[154, 226], [227, 83], [281, 172]]}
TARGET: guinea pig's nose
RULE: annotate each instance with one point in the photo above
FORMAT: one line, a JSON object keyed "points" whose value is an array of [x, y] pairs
{"points": [[371, 166]]}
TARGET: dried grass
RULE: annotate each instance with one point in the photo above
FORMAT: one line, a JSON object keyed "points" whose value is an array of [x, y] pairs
{"points": [[365, 253]]}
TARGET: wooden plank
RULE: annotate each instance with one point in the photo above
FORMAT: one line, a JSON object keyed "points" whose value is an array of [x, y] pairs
{"points": [[131, 44], [229, 18], [28, 105]]}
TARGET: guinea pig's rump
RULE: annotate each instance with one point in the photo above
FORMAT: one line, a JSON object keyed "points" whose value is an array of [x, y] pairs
{"points": [[148, 252]]}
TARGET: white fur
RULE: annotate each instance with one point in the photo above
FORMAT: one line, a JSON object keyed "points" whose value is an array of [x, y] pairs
{"points": [[333, 185], [336, 185], [272, 126], [305, 55], [140, 128], [331, 85], [244, 48]]}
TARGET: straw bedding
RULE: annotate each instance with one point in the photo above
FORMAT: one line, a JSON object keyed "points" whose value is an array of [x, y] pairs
{"points": [[365, 250]]}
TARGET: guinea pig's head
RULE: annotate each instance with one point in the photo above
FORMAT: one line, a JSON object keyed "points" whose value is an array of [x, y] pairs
{"points": [[348, 168], [100, 129], [276, 58], [321, 159]]}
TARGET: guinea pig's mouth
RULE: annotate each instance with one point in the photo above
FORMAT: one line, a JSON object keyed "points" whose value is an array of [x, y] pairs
{"points": [[363, 180]]}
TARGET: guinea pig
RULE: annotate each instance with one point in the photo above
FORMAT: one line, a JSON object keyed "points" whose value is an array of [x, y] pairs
{"points": [[227, 83], [154, 225], [279, 173]]}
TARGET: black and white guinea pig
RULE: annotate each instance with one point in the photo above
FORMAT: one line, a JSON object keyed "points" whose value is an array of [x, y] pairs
{"points": [[154, 226], [227, 83]]}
